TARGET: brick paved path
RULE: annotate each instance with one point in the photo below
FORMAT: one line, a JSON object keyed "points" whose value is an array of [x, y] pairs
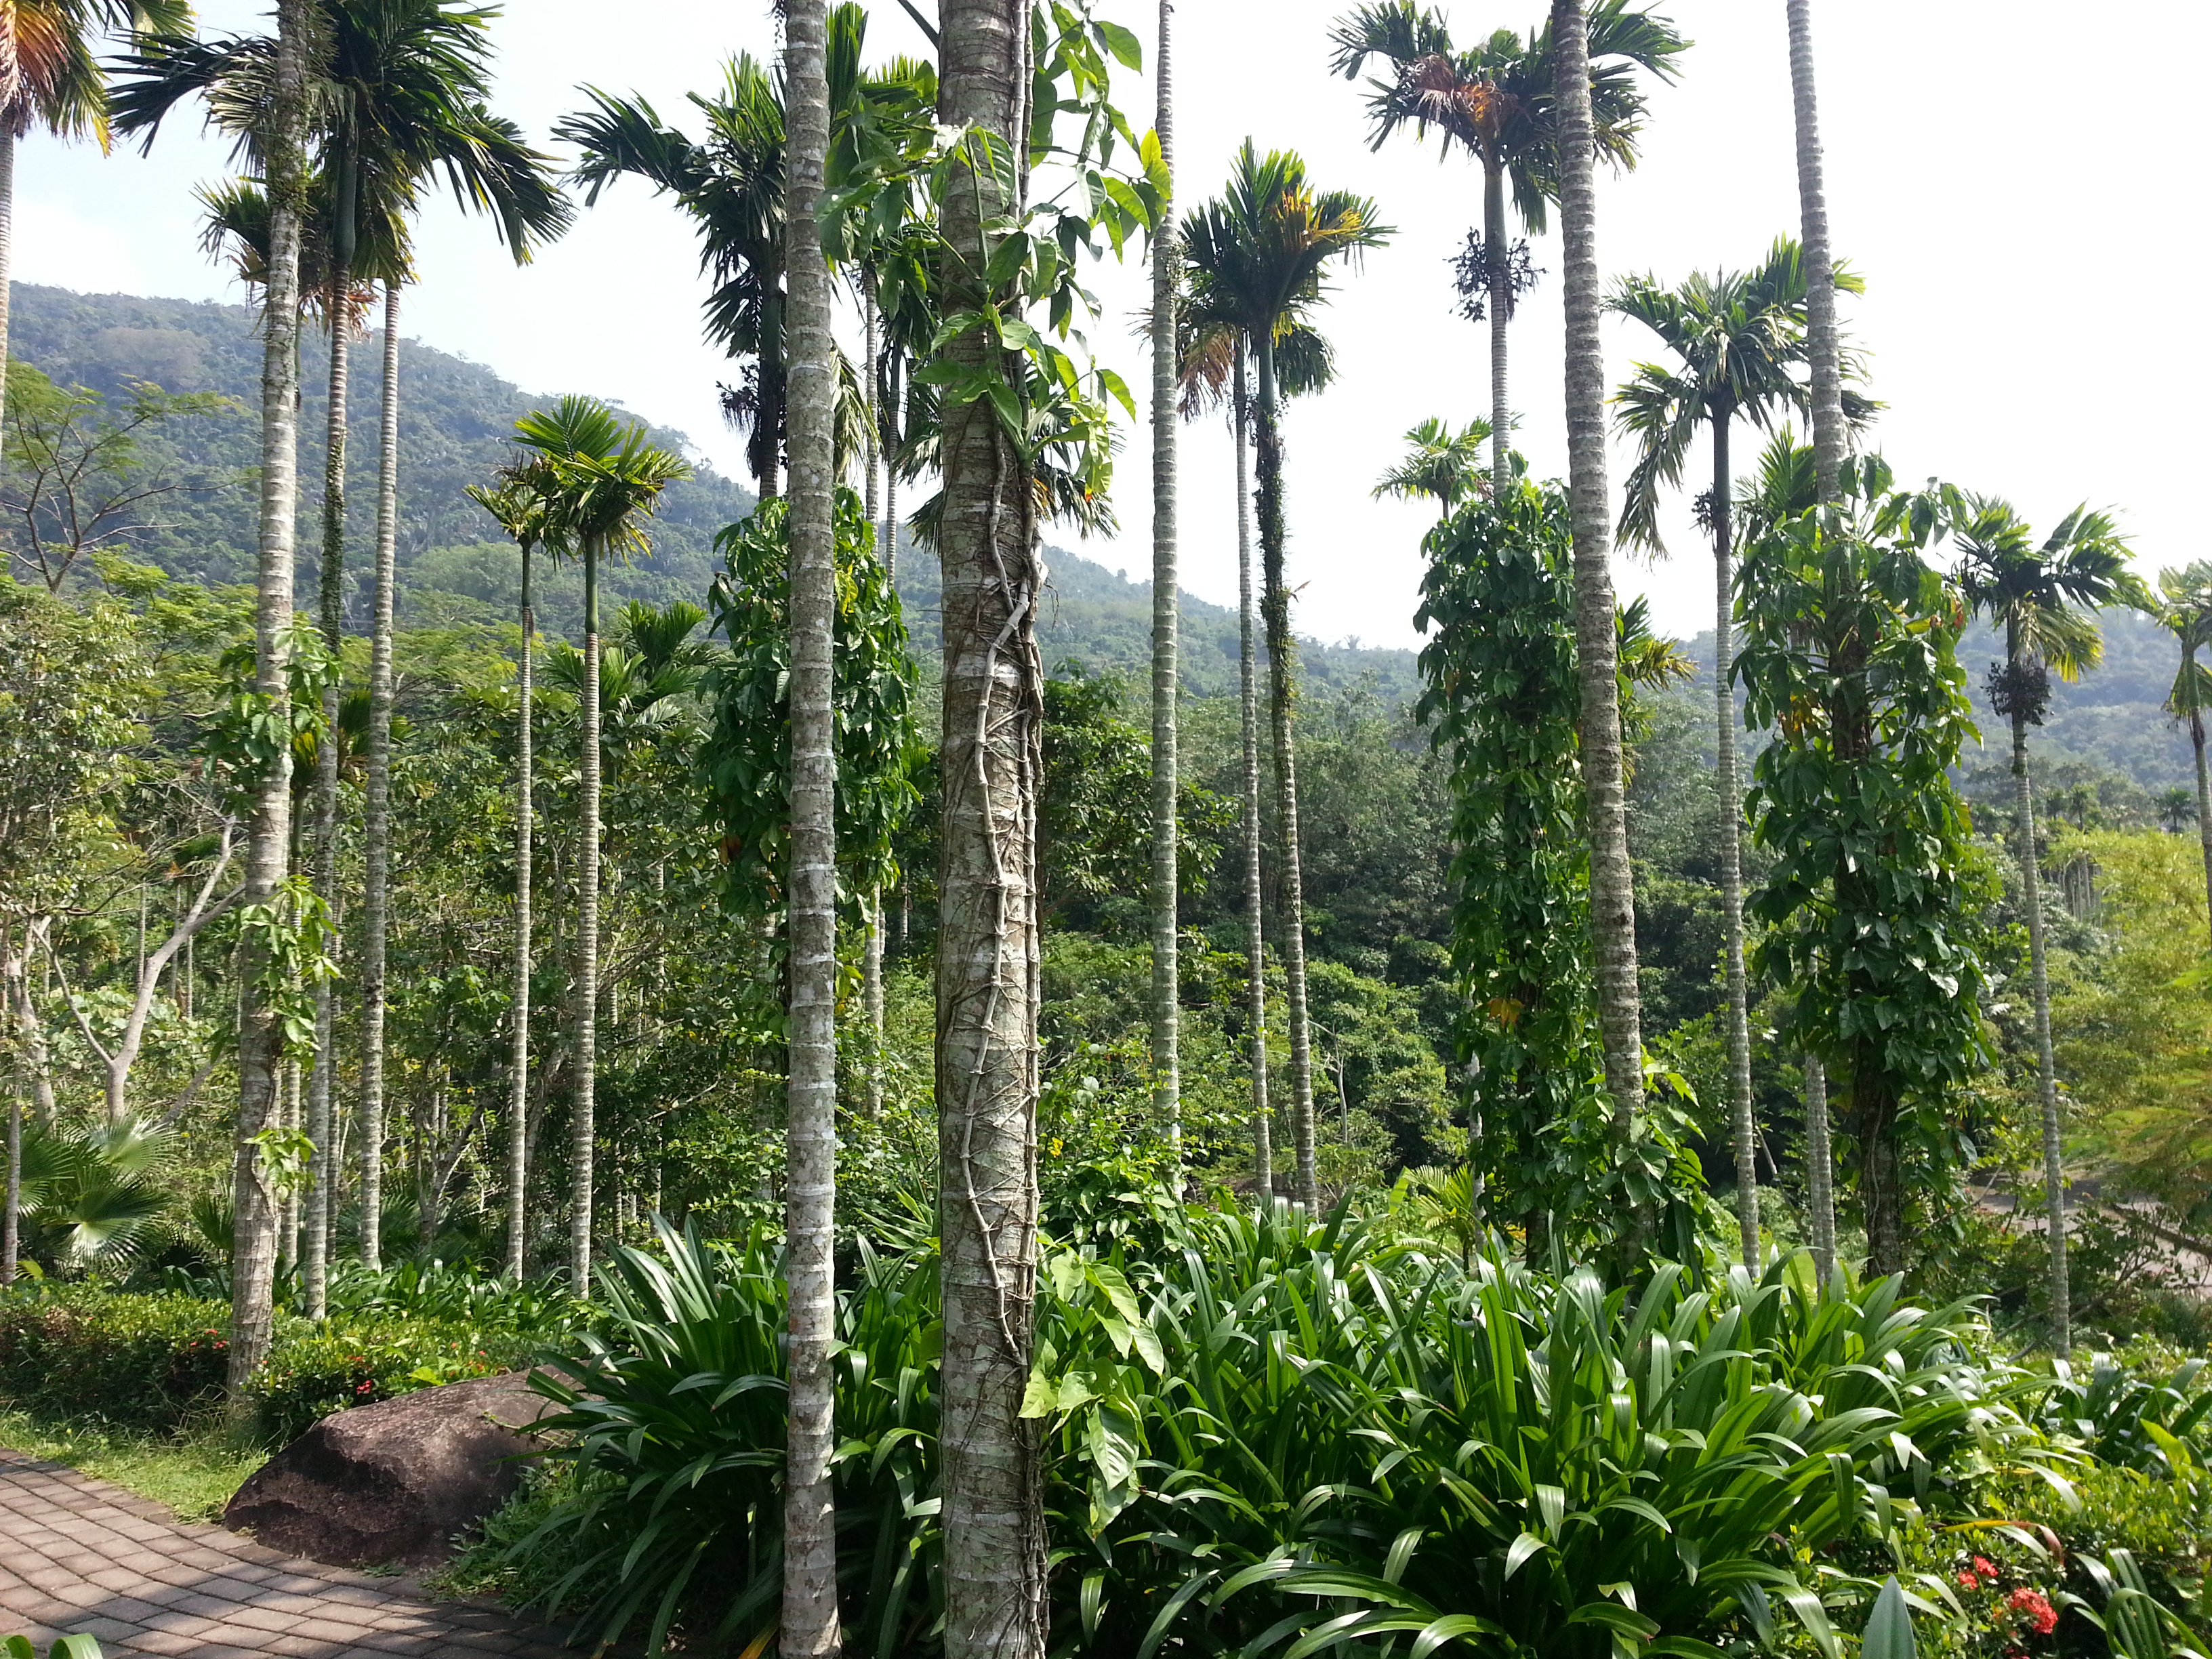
{"points": [[77, 1555]]}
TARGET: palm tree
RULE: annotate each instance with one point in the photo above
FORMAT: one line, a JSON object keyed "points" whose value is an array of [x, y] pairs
{"points": [[1167, 282], [1498, 101], [1215, 370], [399, 88], [1256, 257], [1442, 465], [600, 478], [810, 1563], [2040, 595], [49, 78], [1829, 439], [1738, 336], [515, 502], [1613, 899], [260, 1034], [2187, 611]]}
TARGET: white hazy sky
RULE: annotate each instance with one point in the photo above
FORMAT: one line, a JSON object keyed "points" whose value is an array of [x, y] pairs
{"points": [[2021, 314]]}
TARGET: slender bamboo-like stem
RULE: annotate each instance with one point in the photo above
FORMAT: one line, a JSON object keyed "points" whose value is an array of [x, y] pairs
{"points": [[1819, 1168], [871, 948], [2203, 779], [1829, 438], [2046, 1074], [582, 1127], [1729, 808], [1501, 312]]}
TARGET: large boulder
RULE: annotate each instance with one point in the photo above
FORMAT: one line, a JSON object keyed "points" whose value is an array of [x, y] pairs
{"points": [[393, 1483]]}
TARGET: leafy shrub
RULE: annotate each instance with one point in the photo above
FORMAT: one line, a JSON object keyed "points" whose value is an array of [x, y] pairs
{"points": [[140, 1362], [153, 1362]]}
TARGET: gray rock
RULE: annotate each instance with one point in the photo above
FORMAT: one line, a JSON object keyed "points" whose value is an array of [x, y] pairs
{"points": [[393, 1483]]}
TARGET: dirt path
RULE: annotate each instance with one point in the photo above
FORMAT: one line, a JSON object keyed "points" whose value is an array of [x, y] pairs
{"points": [[77, 1555]]}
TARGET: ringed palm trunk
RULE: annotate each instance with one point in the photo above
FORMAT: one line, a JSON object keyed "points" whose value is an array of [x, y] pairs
{"points": [[1167, 1075], [1501, 299], [2046, 1077], [872, 952], [809, 1627], [2204, 783], [8, 138], [1827, 360], [1731, 827], [1275, 605], [582, 1129], [1612, 899], [260, 1034], [1255, 927], [337, 309], [987, 953], [518, 1084], [1819, 1168], [376, 816]]}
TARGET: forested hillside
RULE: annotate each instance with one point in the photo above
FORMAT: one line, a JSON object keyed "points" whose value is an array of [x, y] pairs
{"points": [[456, 417]]}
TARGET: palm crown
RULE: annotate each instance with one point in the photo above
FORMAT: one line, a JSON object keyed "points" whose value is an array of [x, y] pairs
{"points": [[51, 77], [1442, 464], [1739, 338], [2041, 593], [595, 476]]}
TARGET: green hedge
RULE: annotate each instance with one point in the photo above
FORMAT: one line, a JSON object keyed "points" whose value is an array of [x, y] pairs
{"points": [[153, 1362]]}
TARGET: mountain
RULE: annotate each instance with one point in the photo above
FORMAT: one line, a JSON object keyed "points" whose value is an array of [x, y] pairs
{"points": [[456, 419]]}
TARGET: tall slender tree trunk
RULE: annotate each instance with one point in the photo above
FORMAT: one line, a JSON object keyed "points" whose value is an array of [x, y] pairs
{"points": [[1612, 898], [1501, 313], [1819, 1168], [1167, 984], [376, 816], [11, 1201], [872, 950], [518, 1084], [1730, 808], [260, 1034], [987, 950], [337, 308], [810, 1627], [8, 141], [1275, 607], [1256, 892], [2046, 1072], [582, 1127], [2203, 782], [1826, 358]]}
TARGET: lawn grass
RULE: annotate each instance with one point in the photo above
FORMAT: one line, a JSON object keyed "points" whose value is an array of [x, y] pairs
{"points": [[193, 1473]]}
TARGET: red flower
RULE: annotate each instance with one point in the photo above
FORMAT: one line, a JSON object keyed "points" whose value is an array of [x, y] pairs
{"points": [[1983, 1565], [1967, 1581], [2037, 1605]]}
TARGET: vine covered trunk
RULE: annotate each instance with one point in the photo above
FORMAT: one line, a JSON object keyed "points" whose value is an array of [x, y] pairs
{"points": [[1256, 892], [2046, 1075], [1275, 610], [260, 1029], [988, 955], [1613, 903], [809, 1628]]}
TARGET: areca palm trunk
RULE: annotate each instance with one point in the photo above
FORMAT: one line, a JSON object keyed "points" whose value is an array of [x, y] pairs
{"points": [[376, 816], [260, 1033], [2046, 1077], [582, 1128], [518, 1083], [871, 955], [2204, 783], [337, 309], [1501, 297], [1820, 1167], [1731, 826], [1613, 899], [1167, 1076], [810, 1625], [7, 247], [1256, 925], [988, 968], [1275, 609], [1826, 358]]}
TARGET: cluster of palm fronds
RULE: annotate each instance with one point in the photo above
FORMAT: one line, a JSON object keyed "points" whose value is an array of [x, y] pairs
{"points": [[1277, 1435], [97, 1196]]}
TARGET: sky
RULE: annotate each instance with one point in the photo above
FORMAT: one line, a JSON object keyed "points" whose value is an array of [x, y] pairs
{"points": [[2021, 319]]}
